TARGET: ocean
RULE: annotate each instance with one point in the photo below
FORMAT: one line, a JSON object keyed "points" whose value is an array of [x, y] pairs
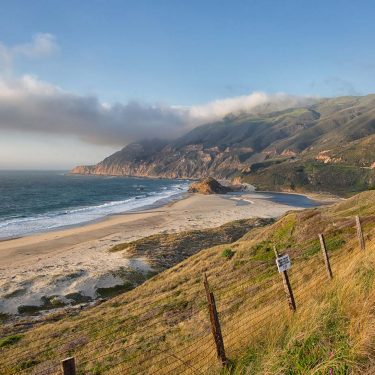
{"points": [[38, 201]]}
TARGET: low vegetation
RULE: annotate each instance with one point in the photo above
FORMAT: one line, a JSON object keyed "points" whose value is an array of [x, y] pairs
{"points": [[306, 175], [228, 253], [163, 325], [165, 250], [9, 340]]}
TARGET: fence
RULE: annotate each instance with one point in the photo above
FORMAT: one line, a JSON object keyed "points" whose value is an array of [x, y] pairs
{"points": [[176, 334]]}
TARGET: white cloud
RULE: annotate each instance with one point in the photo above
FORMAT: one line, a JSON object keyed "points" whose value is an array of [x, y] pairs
{"points": [[256, 101], [220, 108], [42, 45], [30, 105]]}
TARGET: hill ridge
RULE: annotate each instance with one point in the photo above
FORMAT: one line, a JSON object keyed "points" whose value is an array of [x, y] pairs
{"points": [[230, 148], [163, 325]]}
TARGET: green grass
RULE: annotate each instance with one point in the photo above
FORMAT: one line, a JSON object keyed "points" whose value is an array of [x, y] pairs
{"points": [[312, 176], [333, 243], [228, 253], [10, 340], [332, 327], [114, 290], [78, 298], [366, 276], [329, 344]]}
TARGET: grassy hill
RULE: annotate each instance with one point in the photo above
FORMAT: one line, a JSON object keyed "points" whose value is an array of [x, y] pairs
{"points": [[162, 326], [334, 135], [307, 175]]}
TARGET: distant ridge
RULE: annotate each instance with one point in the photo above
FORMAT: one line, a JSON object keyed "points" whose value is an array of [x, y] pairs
{"points": [[327, 146]]}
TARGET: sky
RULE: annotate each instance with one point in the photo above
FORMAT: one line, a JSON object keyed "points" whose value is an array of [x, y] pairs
{"points": [[81, 79]]}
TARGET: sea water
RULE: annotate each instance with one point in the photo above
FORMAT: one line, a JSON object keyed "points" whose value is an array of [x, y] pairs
{"points": [[38, 201]]}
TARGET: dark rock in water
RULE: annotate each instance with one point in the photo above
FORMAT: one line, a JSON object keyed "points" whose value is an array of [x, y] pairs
{"points": [[208, 185]]}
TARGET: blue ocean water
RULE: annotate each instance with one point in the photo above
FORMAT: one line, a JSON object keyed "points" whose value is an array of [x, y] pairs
{"points": [[37, 201]]}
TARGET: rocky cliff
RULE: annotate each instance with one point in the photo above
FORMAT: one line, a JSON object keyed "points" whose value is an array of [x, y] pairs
{"points": [[192, 161], [338, 131]]}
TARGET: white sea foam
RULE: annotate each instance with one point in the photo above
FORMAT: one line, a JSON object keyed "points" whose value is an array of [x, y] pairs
{"points": [[53, 220]]}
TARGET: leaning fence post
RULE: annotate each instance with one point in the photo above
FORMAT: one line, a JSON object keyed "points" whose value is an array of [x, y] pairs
{"points": [[215, 324], [325, 255], [361, 239], [283, 263], [68, 366]]}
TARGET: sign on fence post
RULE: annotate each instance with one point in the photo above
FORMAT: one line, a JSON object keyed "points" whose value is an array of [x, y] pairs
{"points": [[283, 264], [325, 255], [361, 239], [215, 324], [68, 366]]}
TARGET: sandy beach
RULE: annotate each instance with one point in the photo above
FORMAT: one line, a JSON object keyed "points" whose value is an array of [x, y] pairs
{"points": [[77, 259]]}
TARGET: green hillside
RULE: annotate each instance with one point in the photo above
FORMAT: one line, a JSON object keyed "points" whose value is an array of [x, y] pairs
{"points": [[163, 325], [324, 136], [310, 176]]}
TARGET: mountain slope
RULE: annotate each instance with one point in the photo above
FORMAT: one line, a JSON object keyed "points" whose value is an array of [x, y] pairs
{"points": [[163, 326], [230, 148]]}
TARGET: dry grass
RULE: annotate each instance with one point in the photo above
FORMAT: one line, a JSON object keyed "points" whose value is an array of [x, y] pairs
{"points": [[163, 327], [165, 250]]}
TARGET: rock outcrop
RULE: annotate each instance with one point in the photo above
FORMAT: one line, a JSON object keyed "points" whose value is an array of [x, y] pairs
{"points": [[208, 185]]}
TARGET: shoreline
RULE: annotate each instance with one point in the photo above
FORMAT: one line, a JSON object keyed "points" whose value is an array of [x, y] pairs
{"points": [[321, 197], [163, 202], [78, 259], [312, 195], [156, 207]]}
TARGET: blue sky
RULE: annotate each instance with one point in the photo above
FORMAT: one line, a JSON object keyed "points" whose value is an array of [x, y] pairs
{"points": [[189, 53]]}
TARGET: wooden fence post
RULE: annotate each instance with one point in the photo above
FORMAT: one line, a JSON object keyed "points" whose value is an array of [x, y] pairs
{"points": [[68, 366], [361, 239], [215, 324], [325, 255], [287, 286]]}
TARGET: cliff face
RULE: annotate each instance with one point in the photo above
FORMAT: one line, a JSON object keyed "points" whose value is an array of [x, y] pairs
{"points": [[191, 161], [254, 147]]}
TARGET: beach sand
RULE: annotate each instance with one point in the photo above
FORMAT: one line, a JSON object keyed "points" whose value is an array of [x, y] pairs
{"points": [[78, 259]]}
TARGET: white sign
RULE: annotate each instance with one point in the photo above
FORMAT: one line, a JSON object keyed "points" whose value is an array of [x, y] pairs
{"points": [[283, 263]]}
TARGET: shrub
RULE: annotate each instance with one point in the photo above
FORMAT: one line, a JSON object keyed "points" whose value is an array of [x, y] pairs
{"points": [[227, 253]]}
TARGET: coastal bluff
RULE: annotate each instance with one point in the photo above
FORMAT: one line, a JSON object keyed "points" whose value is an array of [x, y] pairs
{"points": [[82, 169], [327, 146], [208, 185]]}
